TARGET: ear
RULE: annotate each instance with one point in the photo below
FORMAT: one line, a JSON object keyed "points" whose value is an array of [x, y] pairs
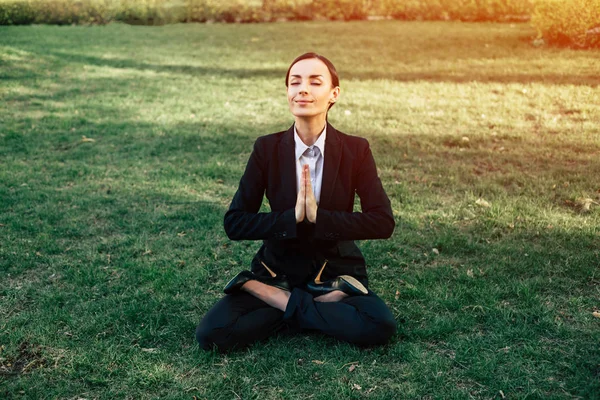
{"points": [[335, 94]]}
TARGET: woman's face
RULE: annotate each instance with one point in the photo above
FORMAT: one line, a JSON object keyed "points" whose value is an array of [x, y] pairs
{"points": [[310, 89]]}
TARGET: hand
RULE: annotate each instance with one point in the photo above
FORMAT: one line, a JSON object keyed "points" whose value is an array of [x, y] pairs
{"points": [[331, 297], [306, 203], [310, 200]]}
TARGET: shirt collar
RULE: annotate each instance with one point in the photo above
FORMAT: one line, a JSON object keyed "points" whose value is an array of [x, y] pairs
{"points": [[301, 146]]}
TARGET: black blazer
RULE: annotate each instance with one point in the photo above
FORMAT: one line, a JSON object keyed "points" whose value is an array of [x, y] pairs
{"points": [[299, 250]]}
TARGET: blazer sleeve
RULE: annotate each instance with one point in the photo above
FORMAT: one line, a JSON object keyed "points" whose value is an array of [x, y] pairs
{"points": [[243, 221], [376, 221]]}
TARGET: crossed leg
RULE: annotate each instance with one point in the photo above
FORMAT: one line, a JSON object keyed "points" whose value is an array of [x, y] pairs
{"points": [[240, 319], [236, 321]]}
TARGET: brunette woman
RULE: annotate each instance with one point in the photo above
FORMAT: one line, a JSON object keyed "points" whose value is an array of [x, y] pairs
{"points": [[309, 274]]}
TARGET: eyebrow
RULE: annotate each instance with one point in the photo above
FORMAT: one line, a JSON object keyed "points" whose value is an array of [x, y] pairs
{"points": [[312, 76]]}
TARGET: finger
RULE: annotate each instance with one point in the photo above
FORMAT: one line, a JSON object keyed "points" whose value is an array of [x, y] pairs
{"points": [[309, 188], [305, 174], [302, 192], [308, 185]]}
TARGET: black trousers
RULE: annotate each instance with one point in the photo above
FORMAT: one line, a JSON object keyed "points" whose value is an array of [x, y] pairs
{"points": [[240, 319]]}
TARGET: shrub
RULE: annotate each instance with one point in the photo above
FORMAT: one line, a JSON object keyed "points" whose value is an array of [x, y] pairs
{"points": [[150, 12], [464, 10], [568, 22], [16, 12], [340, 9], [165, 11], [226, 11], [72, 12]]}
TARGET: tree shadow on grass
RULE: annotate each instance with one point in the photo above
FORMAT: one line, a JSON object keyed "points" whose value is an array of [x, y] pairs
{"points": [[465, 74], [522, 164]]}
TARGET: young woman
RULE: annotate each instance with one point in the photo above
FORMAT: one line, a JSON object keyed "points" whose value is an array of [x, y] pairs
{"points": [[308, 274]]}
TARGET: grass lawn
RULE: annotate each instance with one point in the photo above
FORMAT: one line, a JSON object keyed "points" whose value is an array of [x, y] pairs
{"points": [[121, 147]]}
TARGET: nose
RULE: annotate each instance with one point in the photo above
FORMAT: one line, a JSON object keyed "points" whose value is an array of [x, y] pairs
{"points": [[303, 88]]}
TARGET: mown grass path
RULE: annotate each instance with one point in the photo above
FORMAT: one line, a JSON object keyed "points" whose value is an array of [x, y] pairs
{"points": [[121, 147]]}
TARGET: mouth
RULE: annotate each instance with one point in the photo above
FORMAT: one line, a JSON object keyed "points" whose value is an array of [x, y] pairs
{"points": [[303, 101]]}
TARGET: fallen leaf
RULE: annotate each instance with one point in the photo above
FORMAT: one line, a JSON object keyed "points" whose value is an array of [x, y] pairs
{"points": [[85, 139], [501, 394], [181, 234], [151, 350], [470, 273], [352, 368], [596, 314], [371, 389], [482, 203], [356, 387], [318, 362], [397, 296], [435, 251], [147, 252], [585, 203]]}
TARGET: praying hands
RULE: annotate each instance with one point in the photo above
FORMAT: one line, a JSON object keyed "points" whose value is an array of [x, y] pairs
{"points": [[306, 203]]}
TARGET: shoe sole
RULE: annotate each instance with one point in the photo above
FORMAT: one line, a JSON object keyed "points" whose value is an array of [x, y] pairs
{"points": [[354, 282]]}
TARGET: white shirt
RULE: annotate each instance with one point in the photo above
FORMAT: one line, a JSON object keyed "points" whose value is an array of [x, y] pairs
{"points": [[313, 156]]}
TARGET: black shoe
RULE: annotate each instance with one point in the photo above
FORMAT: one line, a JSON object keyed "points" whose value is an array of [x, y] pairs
{"points": [[238, 281], [345, 283]]}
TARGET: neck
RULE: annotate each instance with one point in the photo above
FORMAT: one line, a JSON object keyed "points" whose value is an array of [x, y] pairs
{"points": [[309, 129]]}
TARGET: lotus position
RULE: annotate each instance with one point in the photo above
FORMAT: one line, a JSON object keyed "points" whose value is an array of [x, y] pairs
{"points": [[308, 275]]}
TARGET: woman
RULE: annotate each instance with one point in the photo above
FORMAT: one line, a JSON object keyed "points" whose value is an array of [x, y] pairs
{"points": [[308, 274]]}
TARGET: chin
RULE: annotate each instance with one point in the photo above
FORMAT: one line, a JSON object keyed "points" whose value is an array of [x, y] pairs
{"points": [[304, 113]]}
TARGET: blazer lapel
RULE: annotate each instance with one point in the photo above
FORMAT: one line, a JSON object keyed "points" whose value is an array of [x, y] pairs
{"points": [[331, 165], [287, 162]]}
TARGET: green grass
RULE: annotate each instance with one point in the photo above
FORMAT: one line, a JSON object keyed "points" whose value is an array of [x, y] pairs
{"points": [[111, 250]]}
